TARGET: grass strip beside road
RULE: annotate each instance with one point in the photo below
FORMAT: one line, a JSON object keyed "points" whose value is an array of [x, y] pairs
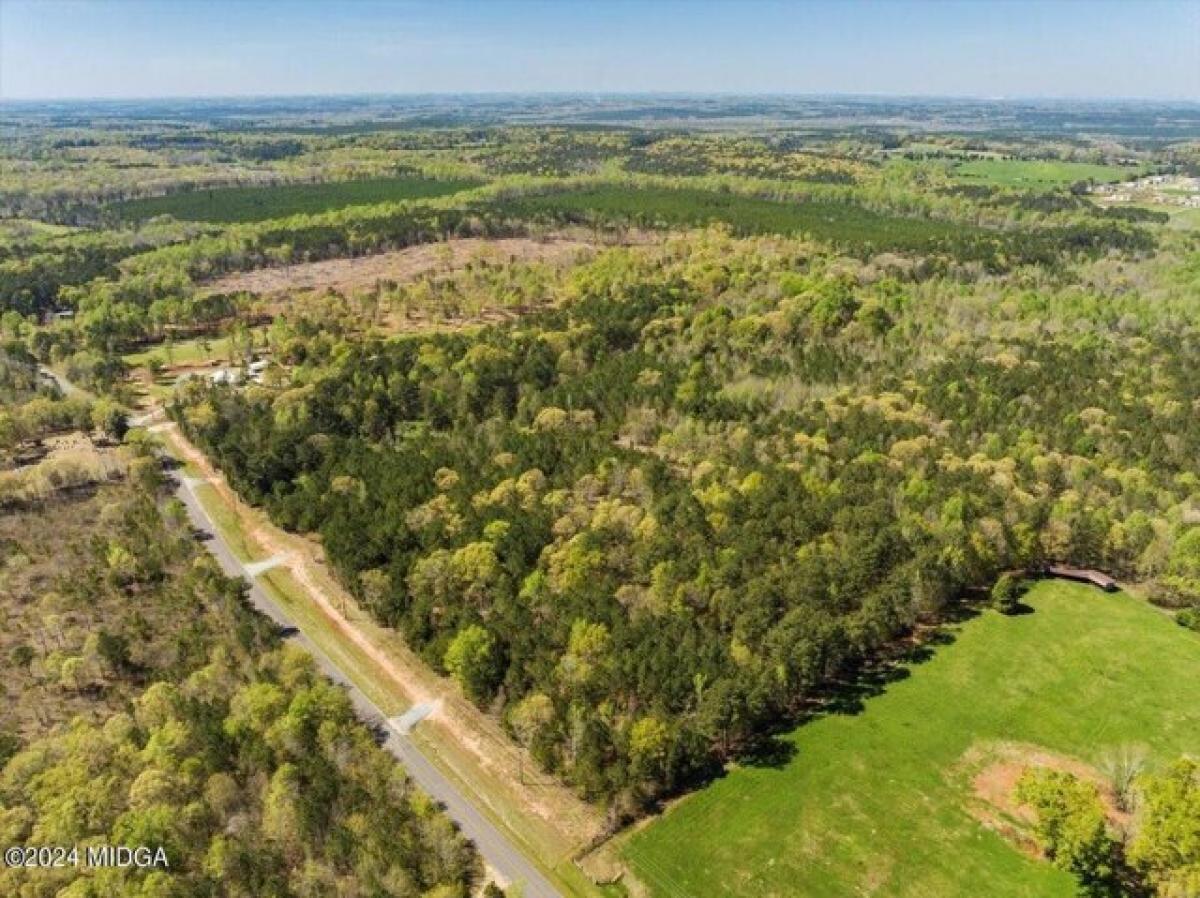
{"points": [[547, 846], [226, 520], [284, 589]]}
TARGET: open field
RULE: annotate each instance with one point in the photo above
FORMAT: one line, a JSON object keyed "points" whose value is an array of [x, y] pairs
{"points": [[197, 354], [880, 802], [17, 229], [1185, 219], [844, 223], [236, 204], [185, 353], [1038, 173], [363, 272]]}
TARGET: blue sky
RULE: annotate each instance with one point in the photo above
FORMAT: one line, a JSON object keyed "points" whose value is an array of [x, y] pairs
{"points": [[983, 48]]}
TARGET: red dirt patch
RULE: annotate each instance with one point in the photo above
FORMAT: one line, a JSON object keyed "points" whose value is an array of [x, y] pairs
{"points": [[995, 769]]}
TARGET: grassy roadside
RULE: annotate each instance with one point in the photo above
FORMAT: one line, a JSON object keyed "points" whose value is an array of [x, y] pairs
{"points": [[550, 848], [242, 546], [551, 853]]}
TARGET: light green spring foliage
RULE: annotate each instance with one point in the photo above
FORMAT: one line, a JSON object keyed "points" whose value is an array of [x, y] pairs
{"points": [[707, 479], [748, 460], [243, 763], [1166, 843], [1071, 825], [255, 786], [471, 660]]}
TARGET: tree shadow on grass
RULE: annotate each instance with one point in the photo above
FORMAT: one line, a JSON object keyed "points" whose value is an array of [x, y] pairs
{"points": [[850, 697], [772, 752], [849, 694], [1018, 610], [773, 749]]}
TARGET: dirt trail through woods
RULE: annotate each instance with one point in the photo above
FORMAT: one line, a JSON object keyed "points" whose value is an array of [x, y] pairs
{"points": [[465, 725]]}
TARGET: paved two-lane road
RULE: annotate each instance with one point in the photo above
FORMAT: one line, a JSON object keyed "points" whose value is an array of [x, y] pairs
{"points": [[495, 847]]}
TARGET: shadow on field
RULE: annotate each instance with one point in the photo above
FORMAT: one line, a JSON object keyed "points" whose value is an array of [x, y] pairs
{"points": [[772, 752], [849, 694]]}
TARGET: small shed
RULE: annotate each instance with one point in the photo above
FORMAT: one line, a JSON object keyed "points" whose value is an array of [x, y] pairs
{"points": [[1082, 575]]}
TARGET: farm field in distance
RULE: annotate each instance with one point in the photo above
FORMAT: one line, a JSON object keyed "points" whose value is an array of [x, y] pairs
{"points": [[880, 801], [241, 204], [1039, 173]]}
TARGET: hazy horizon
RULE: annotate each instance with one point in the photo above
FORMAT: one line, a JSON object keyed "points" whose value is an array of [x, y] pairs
{"points": [[65, 50], [630, 94]]}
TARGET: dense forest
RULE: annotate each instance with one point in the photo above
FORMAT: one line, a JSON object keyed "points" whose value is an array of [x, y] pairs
{"points": [[147, 704], [653, 521]]}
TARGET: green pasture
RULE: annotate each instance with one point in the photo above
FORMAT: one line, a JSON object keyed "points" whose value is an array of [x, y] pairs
{"points": [[18, 230], [1039, 173], [186, 352], [873, 800]]}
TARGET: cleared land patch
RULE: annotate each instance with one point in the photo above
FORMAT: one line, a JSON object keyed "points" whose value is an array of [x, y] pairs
{"points": [[193, 352], [196, 355], [364, 272], [879, 802], [1038, 172], [996, 769], [237, 204]]}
